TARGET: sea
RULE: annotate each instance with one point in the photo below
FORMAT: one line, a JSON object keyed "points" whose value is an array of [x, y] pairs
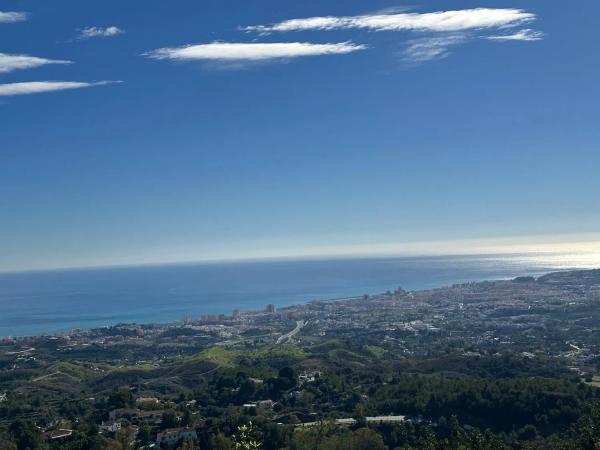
{"points": [[49, 302]]}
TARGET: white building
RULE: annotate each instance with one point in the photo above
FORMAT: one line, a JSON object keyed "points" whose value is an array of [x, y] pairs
{"points": [[110, 427], [175, 435]]}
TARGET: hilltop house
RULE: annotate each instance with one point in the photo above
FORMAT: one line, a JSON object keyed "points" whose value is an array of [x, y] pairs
{"points": [[110, 427], [175, 435], [147, 401]]}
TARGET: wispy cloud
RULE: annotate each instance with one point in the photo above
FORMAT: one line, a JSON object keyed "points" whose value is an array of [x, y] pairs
{"points": [[38, 87], [251, 52], [440, 21], [93, 32], [8, 63], [526, 34], [426, 49], [12, 16]]}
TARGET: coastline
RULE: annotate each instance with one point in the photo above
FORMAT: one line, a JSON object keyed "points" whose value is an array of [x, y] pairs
{"points": [[48, 303], [239, 314]]}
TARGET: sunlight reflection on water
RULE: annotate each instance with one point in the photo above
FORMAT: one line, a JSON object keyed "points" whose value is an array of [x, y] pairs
{"points": [[556, 261]]}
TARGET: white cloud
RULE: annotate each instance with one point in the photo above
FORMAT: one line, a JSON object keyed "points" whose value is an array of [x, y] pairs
{"points": [[426, 49], [37, 87], [526, 34], [10, 17], [8, 63], [92, 32], [232, 52], [441, 21]]}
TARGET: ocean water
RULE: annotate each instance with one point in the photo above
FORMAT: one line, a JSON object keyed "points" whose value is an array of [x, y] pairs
{"points": [[54, 301]]}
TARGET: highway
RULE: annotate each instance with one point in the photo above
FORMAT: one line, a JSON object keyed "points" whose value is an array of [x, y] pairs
{"points": [[286, 337]]}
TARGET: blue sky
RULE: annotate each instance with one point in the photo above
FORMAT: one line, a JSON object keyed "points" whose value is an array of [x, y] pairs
{"points": [[218, 129]]}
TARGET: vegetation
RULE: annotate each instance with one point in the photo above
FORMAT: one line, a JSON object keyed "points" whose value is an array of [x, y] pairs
{"points": [[351, 385]]}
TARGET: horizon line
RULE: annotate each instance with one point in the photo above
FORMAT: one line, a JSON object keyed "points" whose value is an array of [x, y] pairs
{"points": [[500, 246]]}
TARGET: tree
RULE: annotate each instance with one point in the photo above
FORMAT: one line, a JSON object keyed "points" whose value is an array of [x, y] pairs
{"points": [[144, 434], [244, 438], [359, 415], [169, 420], [457, 434], [528, 432], [366, 439], [25, 435], [221, 442], [124, 436], [428, 441], [287, 378], [120, 399], [187, 419], [5, 445], [587, 431]]}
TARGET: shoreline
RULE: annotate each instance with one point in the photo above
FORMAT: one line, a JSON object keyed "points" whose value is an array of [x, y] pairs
{"points": [[242, 313], [57, 302]]}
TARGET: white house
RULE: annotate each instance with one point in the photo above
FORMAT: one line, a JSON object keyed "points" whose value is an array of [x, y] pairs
{"points": [[110, 427], [175, 435]]}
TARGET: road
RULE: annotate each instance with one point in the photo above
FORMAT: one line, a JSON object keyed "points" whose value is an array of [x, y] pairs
{"points": [[286, 337]]}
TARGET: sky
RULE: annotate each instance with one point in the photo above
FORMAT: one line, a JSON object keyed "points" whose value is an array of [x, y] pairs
{"points": [[181, 131]]}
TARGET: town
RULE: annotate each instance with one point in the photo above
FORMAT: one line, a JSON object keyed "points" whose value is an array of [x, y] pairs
{"points": [[395, 359]]}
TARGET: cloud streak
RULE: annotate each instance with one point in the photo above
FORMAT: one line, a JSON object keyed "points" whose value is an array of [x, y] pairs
{"points": [[426, 49], [441, 21], [526, 34], [251, 52], [8, 63], [94, 32], [38, 87], [12, 16]]}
